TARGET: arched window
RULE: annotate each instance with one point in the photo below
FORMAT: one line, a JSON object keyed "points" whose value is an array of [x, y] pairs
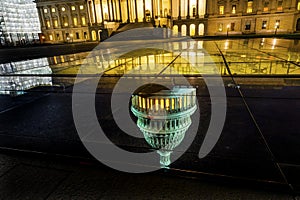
{"points": [[183, 30], [175, 30], [201, 29], [65, 21], [94, 35], [192, 30], [75, 20]]}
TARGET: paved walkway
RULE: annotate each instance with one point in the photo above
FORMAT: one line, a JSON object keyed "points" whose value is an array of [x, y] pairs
{"points": [[24, 176]]}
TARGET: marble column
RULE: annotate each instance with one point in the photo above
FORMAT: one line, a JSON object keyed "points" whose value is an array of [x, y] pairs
{"points": [[179, 10], [188, 9], [136, 11], [128, 14], [95, 13]]}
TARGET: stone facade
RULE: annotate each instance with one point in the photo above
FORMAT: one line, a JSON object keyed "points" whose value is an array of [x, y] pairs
{"points": [[62, 21], [252, 16], [94, 20]]}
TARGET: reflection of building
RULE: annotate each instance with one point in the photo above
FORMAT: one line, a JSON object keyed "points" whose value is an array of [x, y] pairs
{"points": [[253, 16], [164, 117], [16, 77], [19, 23], [92, 20]]}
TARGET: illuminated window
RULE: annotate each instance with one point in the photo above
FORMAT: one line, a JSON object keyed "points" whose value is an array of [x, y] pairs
{"points": [[192, 30], [175, 30], [75, 21], [201, 29], [298, 5], [65, 21], [73, 8], [45, 10], [83, 22], [48, 23], [266, 6], [183, 30], [50, 37], [63, 9], [94, 35], [277, 24], [53, 10], [221, 10], [220, 27], [279, 5], [250, 6], [55, 23], [264, 25], [81, 7], [233, 11]]}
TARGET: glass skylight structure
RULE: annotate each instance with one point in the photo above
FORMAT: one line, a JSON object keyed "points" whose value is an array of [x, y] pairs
{"points": [[19, 22], [17, 77]]}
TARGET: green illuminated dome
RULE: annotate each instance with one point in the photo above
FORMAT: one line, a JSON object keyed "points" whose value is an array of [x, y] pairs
{"points": [[164, 116]]}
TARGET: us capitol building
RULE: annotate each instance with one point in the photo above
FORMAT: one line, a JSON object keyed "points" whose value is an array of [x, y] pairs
{"points": [[95, 20]]}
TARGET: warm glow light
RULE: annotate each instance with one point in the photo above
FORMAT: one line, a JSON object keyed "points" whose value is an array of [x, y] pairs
{"points": [[162, 104], [274, 43], [167, 104], [55, 23], [221, 10], [249, 6], [226, 44], [75, 21], [83, 22]]}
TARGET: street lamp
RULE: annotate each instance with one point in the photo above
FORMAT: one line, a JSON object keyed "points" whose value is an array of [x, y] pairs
{"points": [[42, 39], [227, 29], [276, 27]]}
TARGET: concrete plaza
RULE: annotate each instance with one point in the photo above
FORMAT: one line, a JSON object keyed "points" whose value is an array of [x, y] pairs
{"points": [[239, 167]]}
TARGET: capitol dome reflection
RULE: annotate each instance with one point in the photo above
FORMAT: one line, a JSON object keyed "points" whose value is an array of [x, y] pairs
{"points": [[164, 116]]}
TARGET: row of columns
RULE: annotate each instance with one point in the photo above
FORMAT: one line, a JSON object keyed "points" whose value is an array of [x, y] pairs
{"points": [[182, 102], [96, 11], [164, 125], [157, 8]]}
